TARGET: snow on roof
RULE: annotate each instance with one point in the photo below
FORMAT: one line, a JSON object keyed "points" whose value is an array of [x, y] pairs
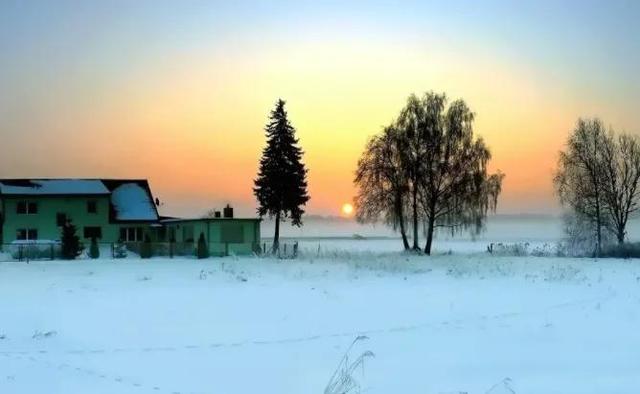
{"points": [[52, 187], [132, 202]]}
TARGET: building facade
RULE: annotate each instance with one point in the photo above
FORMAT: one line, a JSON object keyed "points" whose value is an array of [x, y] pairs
{"points": [[110, 210], [224, 236]]}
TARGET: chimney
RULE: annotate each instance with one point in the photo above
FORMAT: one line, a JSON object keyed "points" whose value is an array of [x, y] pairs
{"points": [[227, 212]]}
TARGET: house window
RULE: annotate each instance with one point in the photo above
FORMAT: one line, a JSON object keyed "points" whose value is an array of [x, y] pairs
{"points": [[92, 206], [61, 219], [93, 232], [27, 208], [27, 234], [131, 234]]}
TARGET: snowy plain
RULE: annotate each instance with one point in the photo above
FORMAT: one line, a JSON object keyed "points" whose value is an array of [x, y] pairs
{"points": [[460, 323]]}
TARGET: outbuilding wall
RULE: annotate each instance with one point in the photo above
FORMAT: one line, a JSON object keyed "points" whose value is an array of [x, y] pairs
{"points": [[224, 236]]}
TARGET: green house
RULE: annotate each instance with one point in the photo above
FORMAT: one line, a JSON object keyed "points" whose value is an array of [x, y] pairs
{"points": [[111, 210]]}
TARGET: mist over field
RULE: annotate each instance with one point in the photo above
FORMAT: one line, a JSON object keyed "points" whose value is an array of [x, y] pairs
{"points": [[500, 228], [345, 234]]}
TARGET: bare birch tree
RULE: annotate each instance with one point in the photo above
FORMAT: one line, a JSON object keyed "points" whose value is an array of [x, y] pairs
{"points": [[416, 121], [429, 162], [381, 181], [579, 178], [456, 192], [621, 176]]}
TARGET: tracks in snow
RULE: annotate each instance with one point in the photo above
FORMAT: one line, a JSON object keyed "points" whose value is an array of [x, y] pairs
{"points": [[291, 340], [38, 356]]}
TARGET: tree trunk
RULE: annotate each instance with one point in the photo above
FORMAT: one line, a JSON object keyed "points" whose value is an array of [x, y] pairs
{"points": [[403, 229], [415, 218], [403, 232], [620, 235], [427, 248], [598, 228], [276, 235]]}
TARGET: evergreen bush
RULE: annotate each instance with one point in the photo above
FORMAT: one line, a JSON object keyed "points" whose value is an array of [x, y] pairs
{"points": [[71, 247], [202, 252]]}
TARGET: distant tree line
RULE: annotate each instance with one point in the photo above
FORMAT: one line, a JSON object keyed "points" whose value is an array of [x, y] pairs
{"points": [[597, 179], [427, 171]]}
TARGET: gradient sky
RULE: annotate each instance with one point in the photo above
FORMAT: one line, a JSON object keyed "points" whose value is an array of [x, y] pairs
{"points": [[179, 92]]}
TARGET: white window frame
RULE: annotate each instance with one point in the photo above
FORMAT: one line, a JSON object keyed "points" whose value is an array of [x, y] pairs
{"points": [[26, 234], [27, 204]]}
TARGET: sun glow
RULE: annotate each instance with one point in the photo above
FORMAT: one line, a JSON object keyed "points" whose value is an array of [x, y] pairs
{"points": [[347, 209]]}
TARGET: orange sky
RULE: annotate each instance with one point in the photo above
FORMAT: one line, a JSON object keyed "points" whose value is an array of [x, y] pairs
{"points": [[185, 106]]}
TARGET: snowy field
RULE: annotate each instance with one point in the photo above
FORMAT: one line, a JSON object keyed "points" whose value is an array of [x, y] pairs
{"points": [[446, 324]]}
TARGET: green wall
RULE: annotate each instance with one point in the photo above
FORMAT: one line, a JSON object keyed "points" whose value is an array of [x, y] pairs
{"points": [[45, 220], [224, 236]]}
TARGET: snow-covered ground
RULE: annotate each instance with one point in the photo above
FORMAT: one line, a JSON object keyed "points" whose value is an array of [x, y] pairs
{"points": [[445, 324]]}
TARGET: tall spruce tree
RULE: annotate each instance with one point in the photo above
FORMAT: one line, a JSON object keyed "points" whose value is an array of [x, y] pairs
{"points": [[281, 186]]}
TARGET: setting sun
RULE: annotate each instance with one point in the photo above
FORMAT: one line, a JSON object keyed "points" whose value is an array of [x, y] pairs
{"points": [[347, 209]]}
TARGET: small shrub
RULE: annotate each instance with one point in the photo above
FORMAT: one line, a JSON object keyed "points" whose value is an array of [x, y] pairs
{"points": [[119, 250], [94, 250], [546, 250], [202, 251], [515, 249], [343, 381]]}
